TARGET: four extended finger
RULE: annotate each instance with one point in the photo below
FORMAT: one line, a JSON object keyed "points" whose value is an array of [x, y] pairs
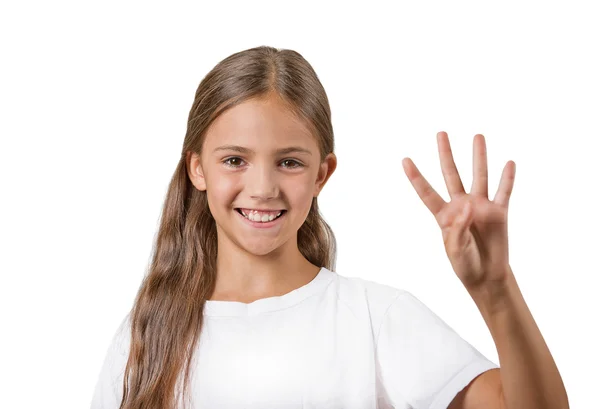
{"points": [[451, 176], [479, 187], [507, 181], [428, 195]]}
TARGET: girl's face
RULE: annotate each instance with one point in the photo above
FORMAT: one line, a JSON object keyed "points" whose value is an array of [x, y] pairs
{"points": [[257, 156]]}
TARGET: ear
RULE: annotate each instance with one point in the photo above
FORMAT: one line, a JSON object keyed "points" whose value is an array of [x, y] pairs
{"points": [[194, 169], [326, 169]]}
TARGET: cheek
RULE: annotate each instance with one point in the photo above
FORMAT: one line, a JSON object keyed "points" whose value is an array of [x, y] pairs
{"points": [[300, 195], [221, 190]]}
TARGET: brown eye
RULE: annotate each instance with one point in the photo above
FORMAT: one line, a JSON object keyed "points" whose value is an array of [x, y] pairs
{"points": [[295, 163], [229, 162]]}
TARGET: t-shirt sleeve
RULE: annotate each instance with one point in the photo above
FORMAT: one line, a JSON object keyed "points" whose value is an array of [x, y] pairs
{"points": [[108, 392], [422, 362]]}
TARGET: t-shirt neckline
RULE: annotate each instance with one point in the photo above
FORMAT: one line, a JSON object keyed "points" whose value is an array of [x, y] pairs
{"points": [[270, 304]]}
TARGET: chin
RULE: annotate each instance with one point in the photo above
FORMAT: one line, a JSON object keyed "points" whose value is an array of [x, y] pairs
{"points": [[262, 248], [259, 252]]}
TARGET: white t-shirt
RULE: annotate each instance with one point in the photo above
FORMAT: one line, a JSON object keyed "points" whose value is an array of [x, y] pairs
{"points": [[337, 342]]}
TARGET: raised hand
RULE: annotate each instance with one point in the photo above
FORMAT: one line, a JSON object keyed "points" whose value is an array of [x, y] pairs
{"points": [[474, 228]]}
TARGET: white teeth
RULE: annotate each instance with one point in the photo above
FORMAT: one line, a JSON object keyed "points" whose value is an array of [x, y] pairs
{"points": [[256, 217]]}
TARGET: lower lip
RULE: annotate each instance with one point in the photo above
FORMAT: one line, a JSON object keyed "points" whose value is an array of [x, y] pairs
{"points": [[262, 225]]}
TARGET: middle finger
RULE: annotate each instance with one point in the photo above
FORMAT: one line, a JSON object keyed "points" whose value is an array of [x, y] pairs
{"points": [[451, 176]]}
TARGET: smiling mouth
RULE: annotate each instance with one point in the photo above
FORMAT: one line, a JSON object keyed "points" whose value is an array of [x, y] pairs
{"points": [[252, 217]]}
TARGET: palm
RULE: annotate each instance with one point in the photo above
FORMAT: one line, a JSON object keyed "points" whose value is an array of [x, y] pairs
{"points": [[478, 247]]}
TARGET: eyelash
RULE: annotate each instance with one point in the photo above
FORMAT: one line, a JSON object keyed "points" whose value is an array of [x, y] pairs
{"points": [[298, 164]]}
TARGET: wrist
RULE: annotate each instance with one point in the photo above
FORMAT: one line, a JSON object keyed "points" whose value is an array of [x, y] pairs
{"points": [[495, 296]]}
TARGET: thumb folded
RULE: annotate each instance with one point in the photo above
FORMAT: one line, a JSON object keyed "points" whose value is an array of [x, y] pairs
{"points": [[461, 224]]}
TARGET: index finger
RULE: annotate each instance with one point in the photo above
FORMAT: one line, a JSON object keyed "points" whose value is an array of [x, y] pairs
{"points": [[428, 195]]}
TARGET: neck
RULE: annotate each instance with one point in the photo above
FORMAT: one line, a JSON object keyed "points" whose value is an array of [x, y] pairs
{"points": [[246, 277]]}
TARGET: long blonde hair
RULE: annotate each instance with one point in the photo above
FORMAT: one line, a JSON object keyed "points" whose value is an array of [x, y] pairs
{"points": [[167, 315]]}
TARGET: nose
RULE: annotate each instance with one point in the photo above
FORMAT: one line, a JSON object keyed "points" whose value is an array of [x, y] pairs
{"points": [[262, 182]]}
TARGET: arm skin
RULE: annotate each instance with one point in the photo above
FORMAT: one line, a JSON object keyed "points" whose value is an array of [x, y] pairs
{"points": [[528, 377]]}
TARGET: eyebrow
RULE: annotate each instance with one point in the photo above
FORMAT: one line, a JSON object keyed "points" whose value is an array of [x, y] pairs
{"points": [[244, 150]]}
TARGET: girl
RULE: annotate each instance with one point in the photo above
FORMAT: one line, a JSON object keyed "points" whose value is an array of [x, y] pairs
{"points": [[242, 307]]}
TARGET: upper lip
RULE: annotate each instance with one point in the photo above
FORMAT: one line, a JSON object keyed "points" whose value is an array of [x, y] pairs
{"points": [[259, 210]]}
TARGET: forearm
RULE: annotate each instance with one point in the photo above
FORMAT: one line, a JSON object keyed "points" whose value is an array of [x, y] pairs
{"points": [[530, 378]]}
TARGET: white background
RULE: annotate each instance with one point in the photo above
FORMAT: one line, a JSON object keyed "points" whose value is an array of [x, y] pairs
{"points": [[94, 98]]}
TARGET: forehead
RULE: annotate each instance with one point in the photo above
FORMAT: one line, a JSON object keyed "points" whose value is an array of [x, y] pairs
{"points": [[267, 122]]}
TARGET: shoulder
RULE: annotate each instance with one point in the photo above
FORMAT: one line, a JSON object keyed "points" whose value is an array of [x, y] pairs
{"points": [[107, 392], [360, 292], [118, 349], [349, 280]]}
